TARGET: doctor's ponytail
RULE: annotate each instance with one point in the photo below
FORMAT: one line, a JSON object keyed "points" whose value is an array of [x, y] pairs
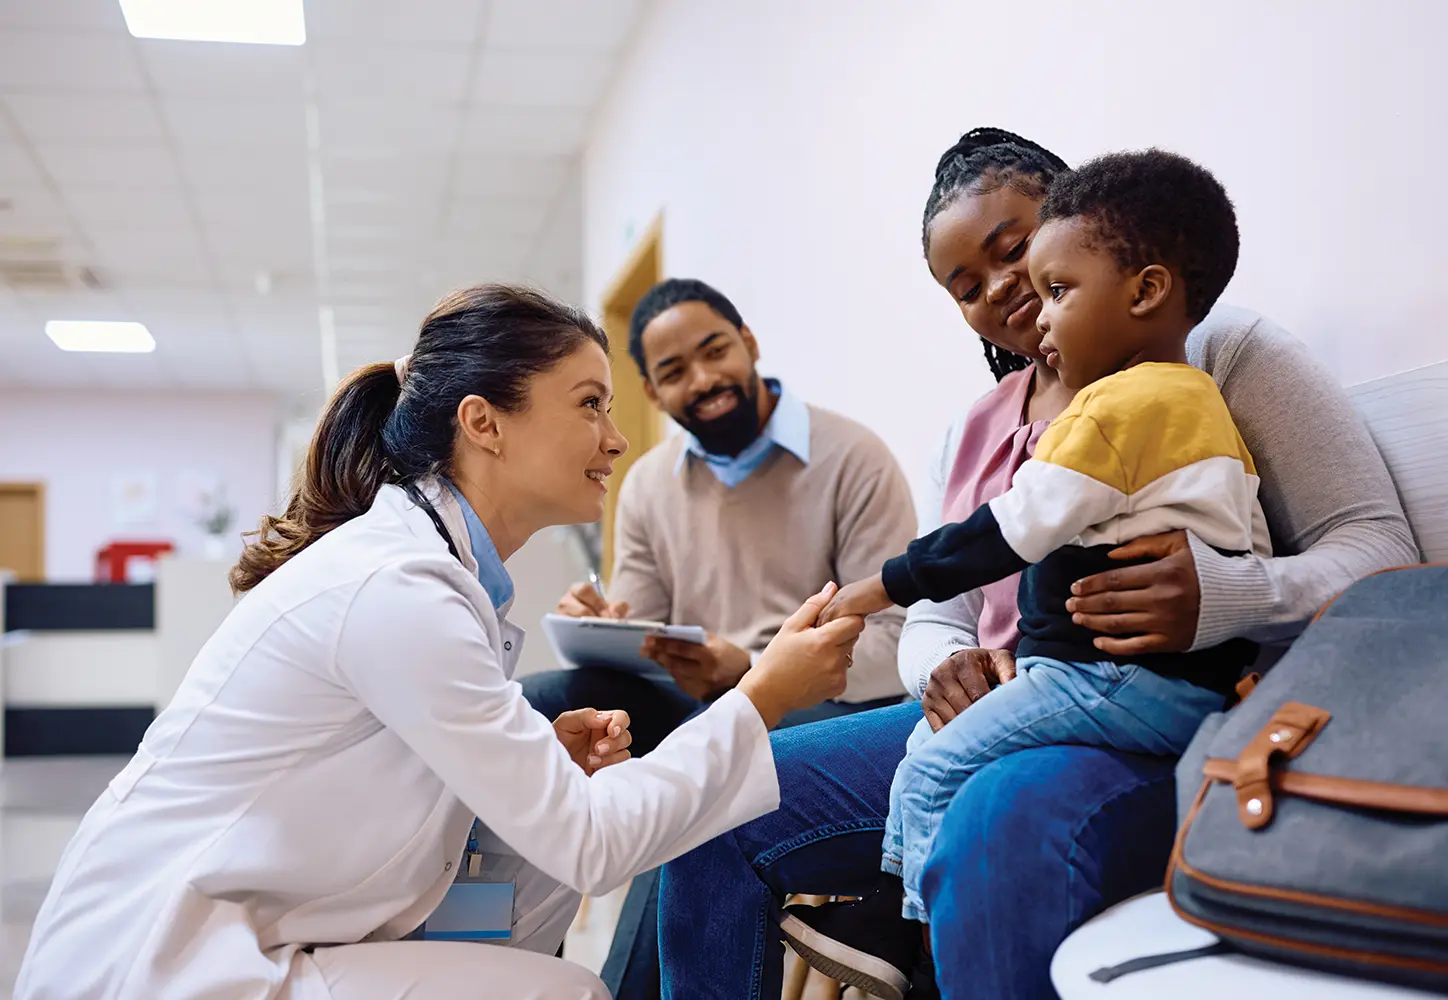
{"points": [[395, 424]]}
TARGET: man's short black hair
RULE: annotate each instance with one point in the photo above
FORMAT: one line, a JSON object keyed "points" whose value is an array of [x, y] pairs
{"points": [[1155, 207], [664, 296]]}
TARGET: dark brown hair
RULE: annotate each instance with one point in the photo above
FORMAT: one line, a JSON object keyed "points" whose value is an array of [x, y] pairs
{"points": [[488, 341]]}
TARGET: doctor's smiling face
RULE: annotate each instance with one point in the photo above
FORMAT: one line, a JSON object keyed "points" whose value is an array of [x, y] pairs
{"points": [[545, 463]]}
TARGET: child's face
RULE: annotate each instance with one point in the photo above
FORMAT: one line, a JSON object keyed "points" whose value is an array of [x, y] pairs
{"points": [[1086, 300]]}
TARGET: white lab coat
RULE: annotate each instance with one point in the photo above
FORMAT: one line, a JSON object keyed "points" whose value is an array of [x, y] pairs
{"points": [[313, 782]]}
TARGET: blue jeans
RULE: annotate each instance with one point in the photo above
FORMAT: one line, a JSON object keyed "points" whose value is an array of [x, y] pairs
{"points": [[1031, 847], [656, 708], [1049, 703]]}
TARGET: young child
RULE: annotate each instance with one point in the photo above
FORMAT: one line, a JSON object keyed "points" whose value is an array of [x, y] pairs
{"points": [[1132, 251]]}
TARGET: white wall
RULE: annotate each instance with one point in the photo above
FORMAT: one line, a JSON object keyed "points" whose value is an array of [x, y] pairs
{"points": [[76, 442], [791, 143]]}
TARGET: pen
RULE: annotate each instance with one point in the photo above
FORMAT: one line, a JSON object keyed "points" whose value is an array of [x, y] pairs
{"points": [[597, 585]]}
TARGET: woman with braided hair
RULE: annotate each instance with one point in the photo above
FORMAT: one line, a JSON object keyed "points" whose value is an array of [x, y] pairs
{"points": [[1039, 841]]}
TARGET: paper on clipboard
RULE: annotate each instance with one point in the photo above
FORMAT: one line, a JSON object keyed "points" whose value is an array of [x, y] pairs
{"points": [[612, 642]]}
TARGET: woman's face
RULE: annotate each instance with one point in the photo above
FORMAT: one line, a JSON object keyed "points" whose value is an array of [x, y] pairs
{"points": [[559, 449], [978, 254]]}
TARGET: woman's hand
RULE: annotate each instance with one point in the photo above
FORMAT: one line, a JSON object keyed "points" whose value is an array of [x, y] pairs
{"points": [[964, 678], [867, 597], [594, 739], [804, 665], [1154, 605]]}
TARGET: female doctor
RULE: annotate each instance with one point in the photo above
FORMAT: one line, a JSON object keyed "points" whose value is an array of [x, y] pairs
{"points": [[304, 801]]}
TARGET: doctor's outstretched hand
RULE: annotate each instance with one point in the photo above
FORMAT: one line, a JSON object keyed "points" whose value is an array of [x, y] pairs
{"points": [[594, 739], [804, 665]]}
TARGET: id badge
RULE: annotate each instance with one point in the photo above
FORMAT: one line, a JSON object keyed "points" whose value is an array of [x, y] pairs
{"points": [[479, 904]]}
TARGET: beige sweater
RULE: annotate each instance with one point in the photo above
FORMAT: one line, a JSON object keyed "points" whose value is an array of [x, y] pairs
{"points": [[691, 551]]}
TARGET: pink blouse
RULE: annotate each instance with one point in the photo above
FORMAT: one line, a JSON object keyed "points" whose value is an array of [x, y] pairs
{"points": [[995, 442]]}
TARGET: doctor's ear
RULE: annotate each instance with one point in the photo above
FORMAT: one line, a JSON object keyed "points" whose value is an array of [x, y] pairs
{"points": [[478, 424]]}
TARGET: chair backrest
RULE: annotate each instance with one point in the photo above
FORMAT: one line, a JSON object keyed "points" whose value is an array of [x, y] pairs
{"points": [[1407, 415]]}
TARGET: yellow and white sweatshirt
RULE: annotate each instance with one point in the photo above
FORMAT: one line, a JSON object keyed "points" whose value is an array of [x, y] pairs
{"points": [[1148, 450]]}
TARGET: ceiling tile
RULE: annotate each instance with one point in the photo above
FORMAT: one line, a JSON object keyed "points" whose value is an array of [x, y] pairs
{"points": [[447, 22], [349, 70], [384, 288], [147, 207], [128, 242], [526, 130], [386, 127], [281, 211], [109, 165], [218, 70], [480, 222], [383, 173], [602, 24], [290, 290], [180, 273], [511, 175], [17, 168], [201, 308], [254, 124], [227, 369], [85, 116], [78, 304], [209, 166], [542, 77], [90, 15], [259, 249], [72, 62], [134, 371], [33, 209], [416, 214], [190, 337]]}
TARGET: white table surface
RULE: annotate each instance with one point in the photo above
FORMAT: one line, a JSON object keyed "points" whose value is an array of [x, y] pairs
{"points": [[1146, 925]]}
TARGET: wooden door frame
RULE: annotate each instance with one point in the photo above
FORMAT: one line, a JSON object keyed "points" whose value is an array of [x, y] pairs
{"points": [[36, 489], [636, 415]]}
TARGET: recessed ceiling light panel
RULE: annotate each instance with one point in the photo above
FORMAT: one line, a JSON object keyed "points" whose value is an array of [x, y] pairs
{"points": [[260, 22], [100, 335]]}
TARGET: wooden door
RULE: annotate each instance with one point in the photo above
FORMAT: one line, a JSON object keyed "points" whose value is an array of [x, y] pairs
{"points": [[635, 416], [22, 530]]}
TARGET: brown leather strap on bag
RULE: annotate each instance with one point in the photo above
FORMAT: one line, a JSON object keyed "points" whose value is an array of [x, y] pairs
{"points": [[1288, 733]]}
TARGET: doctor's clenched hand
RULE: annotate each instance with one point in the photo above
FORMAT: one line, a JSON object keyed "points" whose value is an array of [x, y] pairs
{"points": [[594, 739]]}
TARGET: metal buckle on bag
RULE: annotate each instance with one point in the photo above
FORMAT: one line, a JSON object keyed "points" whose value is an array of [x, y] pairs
{"points": [[1288, 733]]}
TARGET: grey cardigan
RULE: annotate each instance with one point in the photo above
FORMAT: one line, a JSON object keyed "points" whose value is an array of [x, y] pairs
{"points": [[1330, 504]]}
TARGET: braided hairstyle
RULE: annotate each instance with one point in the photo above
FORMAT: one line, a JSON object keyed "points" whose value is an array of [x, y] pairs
{"points": [[983, 160]]}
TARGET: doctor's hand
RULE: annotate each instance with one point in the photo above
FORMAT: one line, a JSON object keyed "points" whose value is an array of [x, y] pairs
{"points": [[582, 601], [804, 665], [700, 671], [863, 598], [594, 739]]}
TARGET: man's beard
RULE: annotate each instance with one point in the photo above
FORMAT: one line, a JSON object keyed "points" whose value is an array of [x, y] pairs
{"points": [[734, 431]]}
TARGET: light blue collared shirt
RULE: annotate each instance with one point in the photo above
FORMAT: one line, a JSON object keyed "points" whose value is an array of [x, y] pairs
{"points": [[491, 573], [788, 428]]}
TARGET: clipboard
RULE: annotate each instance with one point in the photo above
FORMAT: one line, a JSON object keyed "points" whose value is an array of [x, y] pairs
{"points": [[580, 643]]}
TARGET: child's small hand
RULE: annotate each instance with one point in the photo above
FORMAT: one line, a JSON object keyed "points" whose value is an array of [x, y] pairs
{"points": [[864, 598]]}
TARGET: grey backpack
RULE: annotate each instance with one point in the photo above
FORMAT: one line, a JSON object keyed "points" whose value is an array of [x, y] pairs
{"points": [[1314, 816]]}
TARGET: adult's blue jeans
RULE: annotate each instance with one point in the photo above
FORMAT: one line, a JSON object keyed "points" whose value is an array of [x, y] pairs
{"points": [[1032, 846]]}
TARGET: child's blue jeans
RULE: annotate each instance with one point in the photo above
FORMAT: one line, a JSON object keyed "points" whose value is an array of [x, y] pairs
{"points": [[1049, 702]]}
